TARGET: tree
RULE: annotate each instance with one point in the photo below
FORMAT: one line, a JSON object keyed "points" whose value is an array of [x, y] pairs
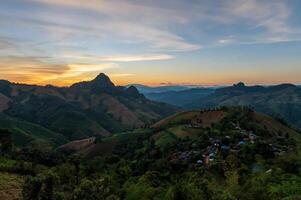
{"points": [[47, 192], [31, 189], [75, 160], [5, 141]]}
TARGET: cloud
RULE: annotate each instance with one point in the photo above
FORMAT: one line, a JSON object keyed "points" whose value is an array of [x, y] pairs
{"points": [[159, 26], [7, 43], [271, 15], [131, 22], [121, 75], [40, 70], [77, 69], [119, 58], [145, 22], [106, 32]]}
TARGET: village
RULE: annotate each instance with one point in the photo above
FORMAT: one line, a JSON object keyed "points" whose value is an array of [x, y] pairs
{"points": [[222, 146]]}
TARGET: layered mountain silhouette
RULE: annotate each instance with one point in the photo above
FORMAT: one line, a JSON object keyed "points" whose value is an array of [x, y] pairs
{"points": [[59, 114]]}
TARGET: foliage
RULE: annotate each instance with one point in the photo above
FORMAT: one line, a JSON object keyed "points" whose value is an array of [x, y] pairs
{"points": [[146, 165]]}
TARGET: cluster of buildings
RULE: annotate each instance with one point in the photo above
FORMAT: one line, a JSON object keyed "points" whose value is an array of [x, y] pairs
{"points": [[222, 146]]}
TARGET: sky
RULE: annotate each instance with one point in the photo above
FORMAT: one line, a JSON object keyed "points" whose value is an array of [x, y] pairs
{"points": [[152, 42]]}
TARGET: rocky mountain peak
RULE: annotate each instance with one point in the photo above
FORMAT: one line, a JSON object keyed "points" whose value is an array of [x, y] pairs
{"points": [[103, 80]]}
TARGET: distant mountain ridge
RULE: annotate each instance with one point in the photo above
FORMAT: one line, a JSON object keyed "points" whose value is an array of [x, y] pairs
{"points": [[283, 101], [85, 109], [168, 88], [181, 98]]}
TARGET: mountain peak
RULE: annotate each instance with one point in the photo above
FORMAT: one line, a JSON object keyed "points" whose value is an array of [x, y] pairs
{"points": [[103, 80], [102, 76], [240, 84], [101, 83], [133, 91]]}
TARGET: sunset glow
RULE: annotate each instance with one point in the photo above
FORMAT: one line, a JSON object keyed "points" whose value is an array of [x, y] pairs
{"points": [[157, 42]]}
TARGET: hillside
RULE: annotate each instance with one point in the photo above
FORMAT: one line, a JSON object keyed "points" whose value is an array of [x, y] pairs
{"points": [[236, 123], [24, 132], [226, 153], [223, 153], [91, 108], [10, 186], [281, 101]]}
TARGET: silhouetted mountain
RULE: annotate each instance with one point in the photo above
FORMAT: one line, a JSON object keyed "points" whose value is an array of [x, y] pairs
{"points": [[133, 91], [101, 83], [90, 108]]}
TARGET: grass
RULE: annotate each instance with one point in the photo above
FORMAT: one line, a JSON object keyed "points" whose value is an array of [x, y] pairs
{"points": [[25, 132], [208, 118], [276, 126], [178, 118], [165, 137], [10, 186], [6, 163], [182, 131]]}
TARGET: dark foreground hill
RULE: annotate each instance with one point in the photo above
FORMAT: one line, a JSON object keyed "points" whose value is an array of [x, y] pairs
{"points": [[228, 153], [93, 108]]}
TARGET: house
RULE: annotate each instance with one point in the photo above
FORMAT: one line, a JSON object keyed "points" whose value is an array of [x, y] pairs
{"points": [[252, 137], [199, 162], [211, 156], [225, 148]]}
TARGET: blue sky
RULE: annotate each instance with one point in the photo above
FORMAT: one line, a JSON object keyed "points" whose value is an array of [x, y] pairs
{"points": [[201, 42]]}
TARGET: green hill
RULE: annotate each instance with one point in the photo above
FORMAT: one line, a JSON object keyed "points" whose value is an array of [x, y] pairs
{"points": [[85, 109], [24, 133], [235, 123], [224, 153], [280, 101]]}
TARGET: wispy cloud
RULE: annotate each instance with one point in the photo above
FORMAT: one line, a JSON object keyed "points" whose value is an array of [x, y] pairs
{"points": [[81, 37], [38, 70], [129, 21], [119, 58], [121, 75]]}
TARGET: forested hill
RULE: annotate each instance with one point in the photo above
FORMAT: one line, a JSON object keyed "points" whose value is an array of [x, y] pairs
{"points": [[58, 114], [281, 101], [227, 153]]}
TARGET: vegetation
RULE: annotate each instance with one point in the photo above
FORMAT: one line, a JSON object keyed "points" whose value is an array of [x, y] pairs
{"points": [[10, 186], [236, 157], [54, 115], [280, 101]]}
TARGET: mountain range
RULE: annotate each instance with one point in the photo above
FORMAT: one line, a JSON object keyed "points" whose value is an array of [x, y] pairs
{"points": [[281, 101], [144, 89], [183, 98], [56, 115]]}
